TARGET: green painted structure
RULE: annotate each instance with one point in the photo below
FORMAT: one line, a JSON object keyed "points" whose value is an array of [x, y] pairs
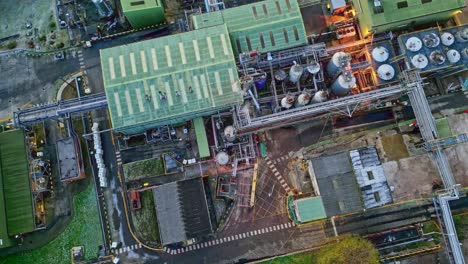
{"points": [[202, 139], [170, 80], [395, 14], [142, 13], [307, 209], [263, 26], [16, 206]]}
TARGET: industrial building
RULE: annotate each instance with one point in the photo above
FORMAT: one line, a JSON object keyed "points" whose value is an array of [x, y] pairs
{"points": [[305, 209], [263, 26], [182, 211], [143, 13], [170, 80], [16, 204], [378, 16]]}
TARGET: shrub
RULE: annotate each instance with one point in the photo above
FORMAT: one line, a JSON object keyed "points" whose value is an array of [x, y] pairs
{"points": [[12, 44]]}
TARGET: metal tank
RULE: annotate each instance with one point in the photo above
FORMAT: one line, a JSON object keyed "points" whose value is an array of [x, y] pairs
{"points": [[260, 83], [313, 68], [303, 99], [419, 61], [437, 57], [338, 61], [431, 40], [380, 54], [464, 53], [447, 38], [295, 72], [462, 35], [222, 158], [386, 72], [288, 101], [230, 133], [343, 84], [320, 96], [413, 44], [453, 56], [280, 75]]}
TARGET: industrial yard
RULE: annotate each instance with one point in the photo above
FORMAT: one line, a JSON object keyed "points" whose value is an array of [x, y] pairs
{"points": [[236, 132]]}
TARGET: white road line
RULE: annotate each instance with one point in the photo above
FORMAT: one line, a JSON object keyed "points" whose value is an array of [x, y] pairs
{"points": [[271, 166], [277, 173], [271, 229], [205, 244], [274, 169]]}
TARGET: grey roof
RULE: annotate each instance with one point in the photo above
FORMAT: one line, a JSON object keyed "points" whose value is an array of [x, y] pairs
{"points": [[182, 211], [337, 184], [171, 226]]}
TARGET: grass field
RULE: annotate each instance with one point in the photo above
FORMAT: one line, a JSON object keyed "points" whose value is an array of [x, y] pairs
{"points": [[144, 219], [143, 168], [16, 185], [461, 224], [84, 230]]}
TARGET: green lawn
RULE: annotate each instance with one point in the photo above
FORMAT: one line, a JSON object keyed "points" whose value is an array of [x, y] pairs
{"points": [[443, 127], [144, 219], [461, 225], [301, 258], [143, 168], [84, 229]]}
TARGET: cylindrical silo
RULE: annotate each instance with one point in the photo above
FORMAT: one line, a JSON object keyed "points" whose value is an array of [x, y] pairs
{"points": [[338, 61], [230, 133], [386, 72], [419, 61], [343, 84], [464, 53], [453, 56], [447, 38], [303, 99], [431, 40], [437, 57], [380, 54], [295, 72], [280, 75], [288, 101], [320, 96], [413, 44], [462, 35], [222, 158]]}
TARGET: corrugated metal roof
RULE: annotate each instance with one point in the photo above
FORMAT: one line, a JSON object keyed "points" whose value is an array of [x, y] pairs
{"points": [[310, 209], [170, 79], [202, 140], [128, 5], [264, 26]]}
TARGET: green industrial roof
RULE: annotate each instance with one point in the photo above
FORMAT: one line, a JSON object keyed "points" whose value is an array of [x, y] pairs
{"points": [[413, 9], [16, 184], [264, 26], [202, 140], [129, 5], [170, 79], [310, 209]]}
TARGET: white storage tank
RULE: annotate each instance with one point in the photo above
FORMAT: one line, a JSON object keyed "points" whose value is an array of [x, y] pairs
{"points": [[431, 40], [419, 61], [280, 75], [222, 158], [338, 61], [462, 35], [437, 57], [380, 54], [343, 84], [464, 53], [447, 38], [313, 68], [453, 56], [295, 72], [303, 99], [413, 44], [230, 133], [386, 72], [288, 101], [320, 96]]}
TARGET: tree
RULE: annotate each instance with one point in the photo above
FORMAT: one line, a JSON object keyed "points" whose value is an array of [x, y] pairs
{"points": [[12, 44], [351, 249]]}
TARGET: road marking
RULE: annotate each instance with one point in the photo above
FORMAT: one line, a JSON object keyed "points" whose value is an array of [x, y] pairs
{"points": [[277, 174]]}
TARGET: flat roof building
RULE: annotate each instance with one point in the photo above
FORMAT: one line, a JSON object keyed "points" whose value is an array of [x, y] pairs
{"points": [[307, 209], [169, 80], [377, 16], [263, 26], [142, 13]]}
